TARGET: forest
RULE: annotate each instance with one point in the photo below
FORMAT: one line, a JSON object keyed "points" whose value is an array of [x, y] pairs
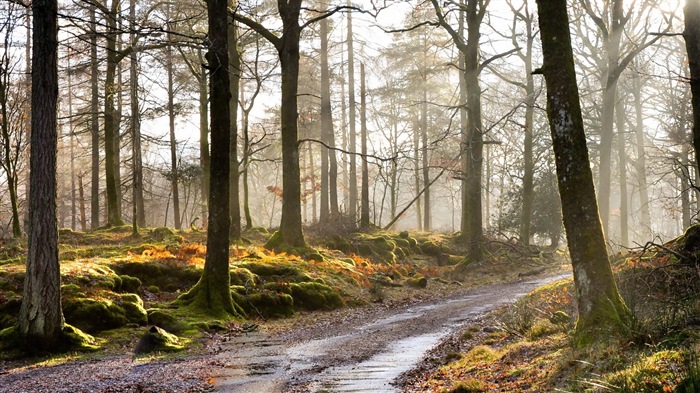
{"points": [[369, 196]]}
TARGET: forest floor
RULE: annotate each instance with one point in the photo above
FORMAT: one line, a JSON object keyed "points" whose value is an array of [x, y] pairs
{"points": [[318, 320], [115, 286]]}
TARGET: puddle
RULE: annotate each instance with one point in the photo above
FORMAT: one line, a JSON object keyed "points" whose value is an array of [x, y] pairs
{"points": [[378, 372]]}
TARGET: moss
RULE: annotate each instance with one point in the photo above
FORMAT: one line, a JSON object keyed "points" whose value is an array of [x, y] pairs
{"points": [[243, 276], [163, 234], [315, 296], [164, 276], [650, 374], [77, 340], [275, 241], [314, 256], [468, 386], [266, 303], [542, 327], [429, 247], [93, 315], [133, 309], [267, 271], [153, 289], [129, 284], [158, 340], [9, 309], [417, 281]]}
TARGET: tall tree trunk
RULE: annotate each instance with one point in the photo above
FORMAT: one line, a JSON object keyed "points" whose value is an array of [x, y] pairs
{"points": [[622, 160], [364, 214], [344, 131], [692, 45], [640, 164], [204, 160], [212, 293], [417, 174], [71, 141], [463, 126], [110, 119], [528, 159], [474, 234], [351, 107], [246, 161], [41, 319], [83, 218], [139, 210], [94, 124], [235, 71], [8, 162], [175, 177], [600, 306], [684, 177], [610, 79], [426, 161], [327, 154], [290, 223]]}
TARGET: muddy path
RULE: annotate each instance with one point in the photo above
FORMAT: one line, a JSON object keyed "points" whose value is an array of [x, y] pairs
{"points": [[362, 354]]}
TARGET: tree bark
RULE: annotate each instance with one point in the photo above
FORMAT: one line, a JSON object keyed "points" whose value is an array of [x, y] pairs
{"points": [[351, 129], [364, 213], [137, 169], [424, 150], [622, 164], [640, 163], [204, 159], [41, 319], [235, 72], [692, 45], [212, 293], [329, 163], [110, 119], [94, 124], [601, 309], [175, 178]]}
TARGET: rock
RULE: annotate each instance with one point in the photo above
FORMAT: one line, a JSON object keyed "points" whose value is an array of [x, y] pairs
{"points": [[158, 340]]}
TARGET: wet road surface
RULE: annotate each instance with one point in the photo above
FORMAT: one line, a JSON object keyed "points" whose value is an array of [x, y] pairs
{"points": [[364, 355]]}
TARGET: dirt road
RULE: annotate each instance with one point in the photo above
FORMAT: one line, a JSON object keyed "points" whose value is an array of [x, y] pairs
{"points": [[364, 354]]}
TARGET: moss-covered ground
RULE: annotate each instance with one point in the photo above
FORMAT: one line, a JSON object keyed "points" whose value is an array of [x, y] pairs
{"points": [[529, 346], [117, 287]]}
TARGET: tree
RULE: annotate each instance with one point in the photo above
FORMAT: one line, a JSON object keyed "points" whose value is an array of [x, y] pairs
{"points": [[212, 292], [287, 45], [364, 211], [12, 105], [41, 318], [235, 71], [692, 45], [329, 163], [599, 303]]}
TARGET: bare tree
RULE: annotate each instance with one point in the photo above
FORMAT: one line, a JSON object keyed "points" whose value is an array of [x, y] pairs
{"points": [[599, 303]]}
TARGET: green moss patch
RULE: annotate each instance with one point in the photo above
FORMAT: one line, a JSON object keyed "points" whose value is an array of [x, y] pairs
{"points": [[113, 311], [158, 340], [165, 276]]}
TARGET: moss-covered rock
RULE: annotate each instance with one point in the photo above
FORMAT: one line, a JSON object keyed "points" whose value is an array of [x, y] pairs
{"points": [[244, 277], [165, 234], [270, 271], [417, 281], [265, 303], [93, 315], [166, 320], [129, 284], [429, 247], [164, 276], [315, 296], [158, 340]]}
